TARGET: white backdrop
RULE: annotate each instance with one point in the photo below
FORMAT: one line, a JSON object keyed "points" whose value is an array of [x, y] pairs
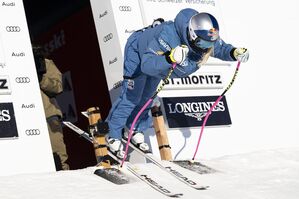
{"points": [[260, 102], [263, 100], [115, 20], [29, 151]]}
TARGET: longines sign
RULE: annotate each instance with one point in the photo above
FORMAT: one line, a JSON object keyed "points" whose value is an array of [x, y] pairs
{"points": [[184, 112]]}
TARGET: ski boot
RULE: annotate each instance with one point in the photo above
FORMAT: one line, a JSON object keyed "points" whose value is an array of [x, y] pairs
{"points": [[115, 146], [137, 140]]}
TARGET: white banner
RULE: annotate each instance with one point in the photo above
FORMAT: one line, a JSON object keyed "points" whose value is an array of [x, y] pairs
{"points": [[24, 138], [2, 58], [168, 9], [115, 20]]}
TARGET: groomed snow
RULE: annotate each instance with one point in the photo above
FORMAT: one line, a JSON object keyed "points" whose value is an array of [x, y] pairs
{"points": [[269, 174]]}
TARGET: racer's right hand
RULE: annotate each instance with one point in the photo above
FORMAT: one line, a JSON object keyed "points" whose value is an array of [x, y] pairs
{"points": [[179, 54]]}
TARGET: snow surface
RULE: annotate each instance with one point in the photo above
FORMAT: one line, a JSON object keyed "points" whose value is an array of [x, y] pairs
{"points": [[268, 174]]}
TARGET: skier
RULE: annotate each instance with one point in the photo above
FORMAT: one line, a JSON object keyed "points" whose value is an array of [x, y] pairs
{"points": [[187, 41]]}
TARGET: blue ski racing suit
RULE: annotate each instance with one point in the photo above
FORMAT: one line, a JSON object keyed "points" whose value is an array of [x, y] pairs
{"points": [[145, 65]]}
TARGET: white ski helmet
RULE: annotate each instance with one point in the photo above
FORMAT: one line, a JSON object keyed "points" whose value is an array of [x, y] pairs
{"points": [[203, 30]]}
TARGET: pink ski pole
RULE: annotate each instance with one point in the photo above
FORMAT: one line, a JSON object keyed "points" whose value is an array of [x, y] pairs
{"points": [[165, 80], [213, 106]]}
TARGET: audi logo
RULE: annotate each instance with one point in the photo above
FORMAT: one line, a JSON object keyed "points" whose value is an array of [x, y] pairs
{"points": [[108, 37], [125, 8], [13, 29], [31, 132], [22, 80]]}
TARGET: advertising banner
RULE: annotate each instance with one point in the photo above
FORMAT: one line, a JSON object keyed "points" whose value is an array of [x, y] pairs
{"points": [[5, 88], [174, 6], [2, 58], [7, 121], [186, 112], [197, 80], [115, 20], [24, 138]]}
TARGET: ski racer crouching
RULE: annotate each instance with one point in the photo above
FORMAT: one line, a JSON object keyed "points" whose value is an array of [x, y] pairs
{"points": [[187, 41]]}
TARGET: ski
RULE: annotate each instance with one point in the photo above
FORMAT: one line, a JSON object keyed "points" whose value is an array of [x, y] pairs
{"points": [[146, 178], [79, 131], [168, 167], [194, 166], [113, 173]]}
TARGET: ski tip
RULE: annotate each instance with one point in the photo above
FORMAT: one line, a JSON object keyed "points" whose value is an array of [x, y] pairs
{"points": [[202, 188], [177, 195], [184, 162], [113, 175], [195, 166]]}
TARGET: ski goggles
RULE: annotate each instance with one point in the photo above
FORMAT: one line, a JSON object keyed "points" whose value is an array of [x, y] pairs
{"points": [[203, 44]]}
